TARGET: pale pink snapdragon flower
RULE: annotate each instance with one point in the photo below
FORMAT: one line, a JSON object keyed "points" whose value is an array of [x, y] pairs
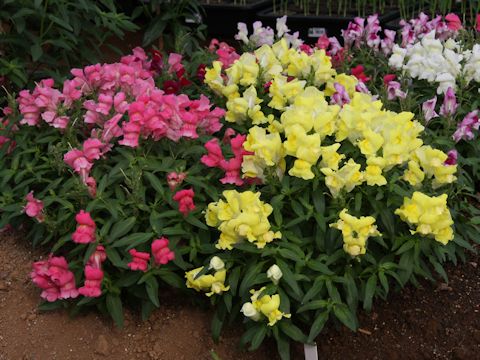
{"points": [[340, 97], [452, 157], [428, 108], [465, 127], [34, 207], [394, 91], [449, 106]]}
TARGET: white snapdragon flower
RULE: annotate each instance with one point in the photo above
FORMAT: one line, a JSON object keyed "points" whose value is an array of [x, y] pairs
{"points": [[471, 70], [397, 58], [274, 273]]}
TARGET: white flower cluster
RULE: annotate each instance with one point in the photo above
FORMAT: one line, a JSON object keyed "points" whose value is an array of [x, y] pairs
{"points": [[471, 70], [430, 60]]}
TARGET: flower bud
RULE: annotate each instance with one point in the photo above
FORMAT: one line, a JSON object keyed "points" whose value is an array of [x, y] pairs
{"points": [[274, 273], [249, 311], [216, 263]]}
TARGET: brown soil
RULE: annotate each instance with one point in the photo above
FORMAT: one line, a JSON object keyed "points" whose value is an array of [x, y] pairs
{"points": [[432, 322]]}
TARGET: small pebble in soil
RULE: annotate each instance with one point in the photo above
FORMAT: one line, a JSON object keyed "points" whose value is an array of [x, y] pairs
{"points": [[101, 346]]}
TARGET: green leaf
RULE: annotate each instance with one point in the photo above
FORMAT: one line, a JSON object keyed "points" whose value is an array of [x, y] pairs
{"points": [[121, 228], [147, 309], [133, 240], [289, 278], [314, 290], [346, 317], [369, 292], [195, 222], [292, 331], [152, 290], [217, 324], [115, 309], [36, 51], [313, 305], [114, 258], [318, 325], [249, 278], [258, 337], [173, 279], [283, 347]]}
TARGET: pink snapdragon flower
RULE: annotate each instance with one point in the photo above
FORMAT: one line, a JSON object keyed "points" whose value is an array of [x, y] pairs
{"points": [[477, 23], [139, 260], [449, 106], [98, 257], [93, 282], [34, 207], [85, 232], [131, 133], [428, 108], [54, 278], [358, 72], [452, 157], [78, 162], [174, 179], [185, 201], [161, 253], [453, 22], [340, 97], [322, 42], [389, 77], [354, 32], [386, 44], [214, 156], [465, 127], [394, 91], [92, 149]]}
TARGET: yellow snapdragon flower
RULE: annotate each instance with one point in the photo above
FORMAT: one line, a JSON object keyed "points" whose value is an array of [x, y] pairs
{"points": [[243, 216], [355, 232], [429, 214], [266, 306], [214, 284], [432, 162], [244, 71]]}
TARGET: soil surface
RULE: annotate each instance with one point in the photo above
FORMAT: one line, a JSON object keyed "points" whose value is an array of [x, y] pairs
{"points": [[436, 321]]}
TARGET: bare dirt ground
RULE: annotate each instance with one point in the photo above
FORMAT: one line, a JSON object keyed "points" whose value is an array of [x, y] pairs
{"points": [[431, 322]]}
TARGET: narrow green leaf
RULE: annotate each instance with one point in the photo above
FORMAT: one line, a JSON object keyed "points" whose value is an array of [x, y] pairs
{"points": [[115, 309]]}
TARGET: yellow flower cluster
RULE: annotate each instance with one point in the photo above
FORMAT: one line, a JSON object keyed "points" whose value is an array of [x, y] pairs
{"points": [[242, 216], [215, 283], [355, 231], [430, 214], [266, 306], [432, 161]]}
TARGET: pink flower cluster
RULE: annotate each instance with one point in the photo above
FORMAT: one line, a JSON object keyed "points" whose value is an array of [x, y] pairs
{"points": [[105, 93], [357, 33], [416, 28], [448, 108], [226, 54], [156, 115], [34, 207], [85, 232], [161, 255], [232, 166], [54, 278]]}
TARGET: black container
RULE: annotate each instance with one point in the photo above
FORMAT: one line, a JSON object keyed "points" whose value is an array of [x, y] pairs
{"points": [[311, 27], [222, 19]]}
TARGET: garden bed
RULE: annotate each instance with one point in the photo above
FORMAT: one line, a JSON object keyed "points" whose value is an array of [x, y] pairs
{"points": [[434, 321]]}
